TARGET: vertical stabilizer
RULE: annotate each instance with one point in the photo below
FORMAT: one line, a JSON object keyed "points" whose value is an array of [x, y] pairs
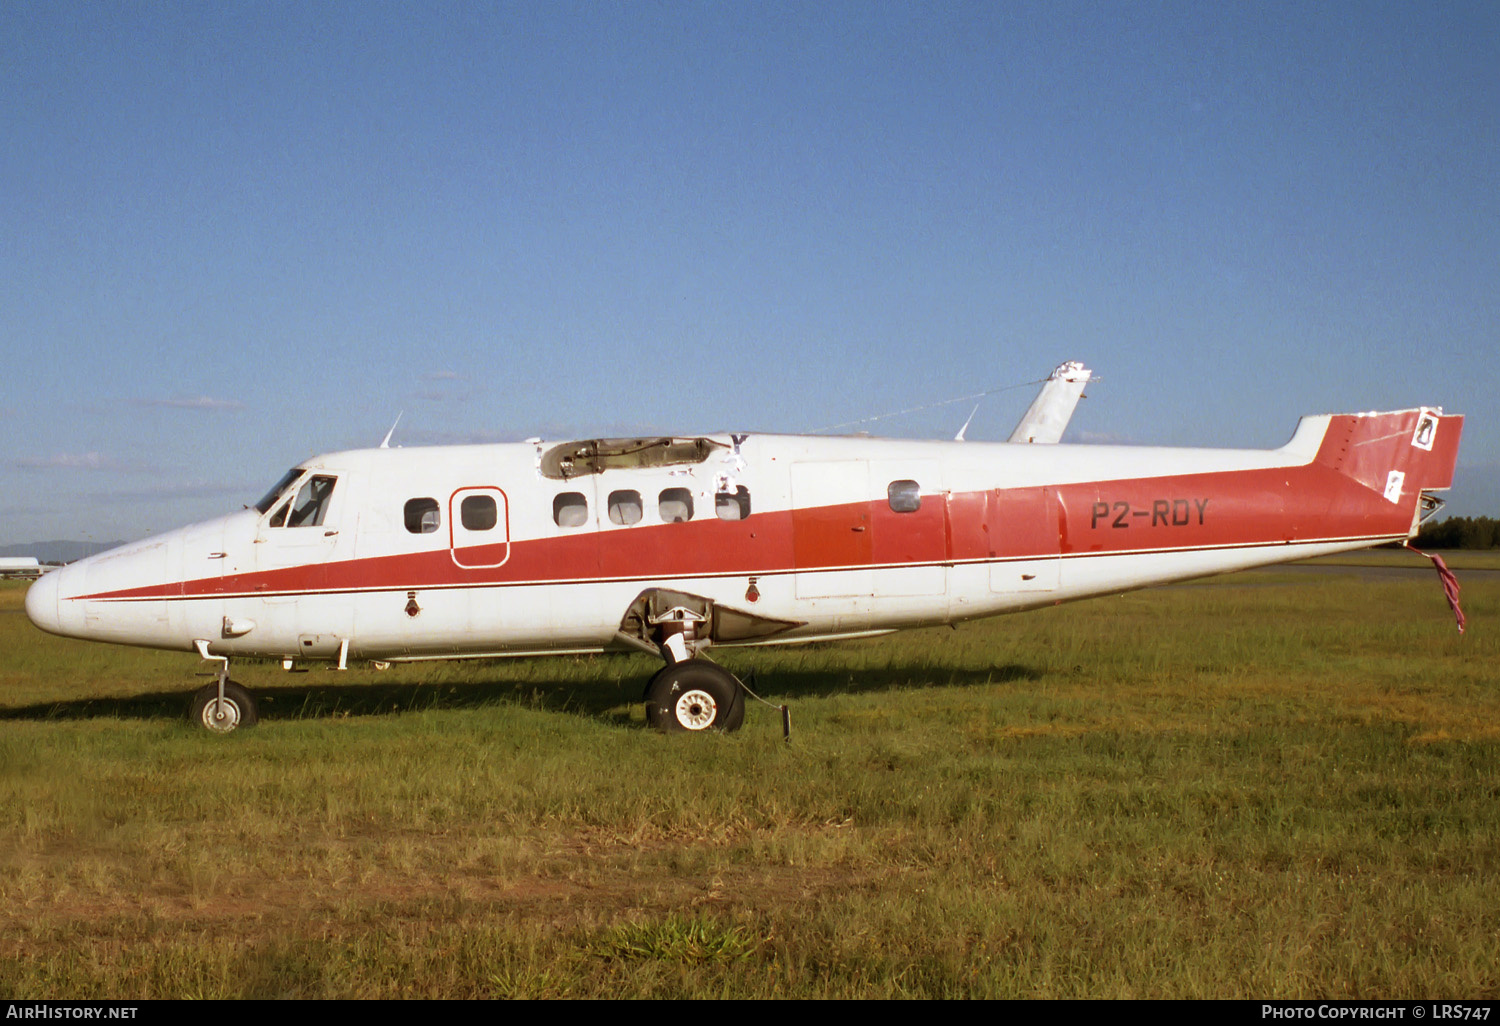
{"points": [[1048, 415], [1396, 457]]}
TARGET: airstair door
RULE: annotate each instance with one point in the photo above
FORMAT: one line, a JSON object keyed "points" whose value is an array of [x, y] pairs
{"points": [[479, 527]]}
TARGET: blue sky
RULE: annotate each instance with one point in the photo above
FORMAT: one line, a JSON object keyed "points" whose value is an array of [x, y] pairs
{"points": [[239, 234]]}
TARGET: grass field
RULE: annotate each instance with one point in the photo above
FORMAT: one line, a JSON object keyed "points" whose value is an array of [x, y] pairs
{"points": [[1279, 784]]}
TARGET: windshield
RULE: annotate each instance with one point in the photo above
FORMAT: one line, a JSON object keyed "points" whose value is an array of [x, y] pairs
{"points": [[280, 486]]}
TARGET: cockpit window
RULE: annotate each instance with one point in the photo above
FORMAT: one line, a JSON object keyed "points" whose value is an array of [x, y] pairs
{"points": [[276, 489], [310, 505]]}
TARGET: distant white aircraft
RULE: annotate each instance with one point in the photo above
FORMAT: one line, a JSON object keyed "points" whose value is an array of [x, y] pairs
{"points": [[673, 545], [23, 567]]}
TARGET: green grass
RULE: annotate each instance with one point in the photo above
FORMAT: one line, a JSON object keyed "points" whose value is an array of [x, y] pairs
{"points": [[1279, 784]]}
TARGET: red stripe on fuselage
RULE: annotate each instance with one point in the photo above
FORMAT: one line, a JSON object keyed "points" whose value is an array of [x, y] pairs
{"points": [[1173, 512]]}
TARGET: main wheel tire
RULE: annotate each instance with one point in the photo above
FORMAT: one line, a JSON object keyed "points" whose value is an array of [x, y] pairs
{"points": [[695, 695], [237, 711]]}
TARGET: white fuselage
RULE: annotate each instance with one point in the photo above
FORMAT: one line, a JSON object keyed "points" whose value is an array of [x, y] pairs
{"points": [[501, 549]]}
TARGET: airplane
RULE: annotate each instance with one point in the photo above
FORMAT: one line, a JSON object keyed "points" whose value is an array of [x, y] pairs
{"points": [[21, 567], [675, 545]]}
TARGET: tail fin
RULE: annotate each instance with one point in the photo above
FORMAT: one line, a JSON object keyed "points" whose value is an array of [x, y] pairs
{"points": [[1401, 455]]}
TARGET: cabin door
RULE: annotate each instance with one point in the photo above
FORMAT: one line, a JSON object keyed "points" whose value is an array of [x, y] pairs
{"points": [[479, 528]]}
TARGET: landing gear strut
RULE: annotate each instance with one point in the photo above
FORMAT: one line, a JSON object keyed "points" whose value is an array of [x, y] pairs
{"points": [[223, 706]]}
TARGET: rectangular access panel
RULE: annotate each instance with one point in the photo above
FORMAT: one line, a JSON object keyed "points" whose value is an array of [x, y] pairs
{"points": [[1025, 527], [831, 528]]}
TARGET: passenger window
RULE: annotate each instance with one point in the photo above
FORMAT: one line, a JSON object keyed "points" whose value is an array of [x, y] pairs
{"points": [[733, 505], [905, 496], [570, 509], [675, 505], [625, 507], [422, 516], [310, 505], [478, 513]]}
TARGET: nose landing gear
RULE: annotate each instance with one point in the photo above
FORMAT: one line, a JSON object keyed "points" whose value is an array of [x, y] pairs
{"points": [[223, 706], [223, 715]]}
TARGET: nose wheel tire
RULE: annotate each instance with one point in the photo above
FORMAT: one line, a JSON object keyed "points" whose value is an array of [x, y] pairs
{"points": [[693, 696], [237, 709]]}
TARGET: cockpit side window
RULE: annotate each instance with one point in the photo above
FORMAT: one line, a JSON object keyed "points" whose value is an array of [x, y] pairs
{"points": [[267, 500], [310, 506]]}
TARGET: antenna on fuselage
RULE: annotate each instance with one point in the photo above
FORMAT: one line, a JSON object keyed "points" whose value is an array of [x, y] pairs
{"points": [[960, 436], [385, 443]]}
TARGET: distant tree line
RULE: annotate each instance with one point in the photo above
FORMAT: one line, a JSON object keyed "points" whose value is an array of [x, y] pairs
{"points": [[1460, 533]]}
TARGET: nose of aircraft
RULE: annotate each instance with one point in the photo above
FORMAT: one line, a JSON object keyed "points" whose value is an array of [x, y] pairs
{"points": [[41, 601]]}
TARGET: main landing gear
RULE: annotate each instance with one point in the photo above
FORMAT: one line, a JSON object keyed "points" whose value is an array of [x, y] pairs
{"points": [[694, 695], [689, 693]]}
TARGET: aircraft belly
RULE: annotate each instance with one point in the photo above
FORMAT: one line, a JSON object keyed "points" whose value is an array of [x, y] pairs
{"points": [[459, 621], [909, 610], [1091, 575]]}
